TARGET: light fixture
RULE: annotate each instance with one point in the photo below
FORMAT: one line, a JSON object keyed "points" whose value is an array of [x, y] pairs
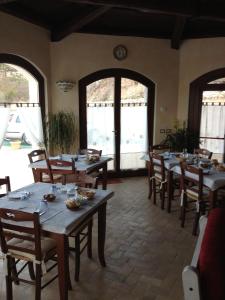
{"points": [[65, 85]]}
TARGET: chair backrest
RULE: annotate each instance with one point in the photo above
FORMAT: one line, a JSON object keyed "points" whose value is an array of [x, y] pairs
{"points": [[193, 175], [37, 155], [34, 156], [157, 166], [5, 182], [60, 167], [84, 180], [90, 151], [159, 148], [203, 153], [12, 226]]}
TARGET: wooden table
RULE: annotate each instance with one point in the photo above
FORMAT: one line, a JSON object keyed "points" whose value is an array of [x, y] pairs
{"points": [[81, 166], [58, 222]]}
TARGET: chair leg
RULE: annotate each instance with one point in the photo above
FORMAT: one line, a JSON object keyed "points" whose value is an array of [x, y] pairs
{"points": [[9, 293], [162, 192], [196, 221], [154, 191], [38, 282], [183, 211], [89, 239], [150, 189], [31, 270], [77, 257], [200, 208], [14, 271]]}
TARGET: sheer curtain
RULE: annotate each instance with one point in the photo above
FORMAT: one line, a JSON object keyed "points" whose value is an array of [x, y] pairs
{"points": [[213, 125], [31, 118], [4, 117]]}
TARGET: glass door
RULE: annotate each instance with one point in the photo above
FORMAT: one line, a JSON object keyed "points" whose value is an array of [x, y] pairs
{"points": [[100, 118], [116, 116], [134, 139]]}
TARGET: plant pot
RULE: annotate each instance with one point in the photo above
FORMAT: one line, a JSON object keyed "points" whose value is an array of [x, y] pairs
{"points": [[15, 145]]}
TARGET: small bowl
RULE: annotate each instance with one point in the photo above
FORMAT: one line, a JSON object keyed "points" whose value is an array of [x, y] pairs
{"points": [[204, 165], [72, 203], [87, 193], [49, 197], [181, 159]]}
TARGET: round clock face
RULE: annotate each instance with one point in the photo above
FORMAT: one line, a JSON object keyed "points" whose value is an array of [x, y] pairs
{"points": [[120, 52]]}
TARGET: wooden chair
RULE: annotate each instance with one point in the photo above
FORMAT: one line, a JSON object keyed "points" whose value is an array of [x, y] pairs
{"points": [[38, 155], [95, 174], [90, 151], [192, 191], [157, 178], [83, 234], [204, 153], [24, 243], [5, 182], [61, 168], [158, 148]]}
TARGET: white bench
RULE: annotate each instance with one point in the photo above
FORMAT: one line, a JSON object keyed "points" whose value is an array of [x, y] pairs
{"points": [[190, 274]]}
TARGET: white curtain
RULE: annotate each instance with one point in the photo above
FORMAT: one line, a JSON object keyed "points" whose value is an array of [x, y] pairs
{"points": [[4, 119], [213, 125], [31, 118]]}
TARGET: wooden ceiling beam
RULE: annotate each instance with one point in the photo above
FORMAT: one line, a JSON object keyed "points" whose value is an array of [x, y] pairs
{"points": [[174, 7], [191, 8], [178, 32], [58, 34]]}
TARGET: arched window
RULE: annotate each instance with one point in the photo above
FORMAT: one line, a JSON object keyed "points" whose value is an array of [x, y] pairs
{"points": [[207, 111]]}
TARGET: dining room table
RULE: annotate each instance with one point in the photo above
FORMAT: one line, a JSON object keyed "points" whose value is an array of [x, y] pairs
{"points": [[82, 164], [57, 221], [213, 179]]}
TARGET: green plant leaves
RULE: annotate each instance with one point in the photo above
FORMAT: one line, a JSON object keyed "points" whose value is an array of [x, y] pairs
{"points": [[61, 132]]}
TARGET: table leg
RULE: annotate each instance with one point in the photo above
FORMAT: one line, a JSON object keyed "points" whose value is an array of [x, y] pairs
{"points": [[101, 233], [104, 177], [63, 264], [169, 189]]}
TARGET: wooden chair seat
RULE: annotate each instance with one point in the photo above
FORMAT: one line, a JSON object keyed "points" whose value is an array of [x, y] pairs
{"points": [[46, 178], [193, 193], [47, 245]]}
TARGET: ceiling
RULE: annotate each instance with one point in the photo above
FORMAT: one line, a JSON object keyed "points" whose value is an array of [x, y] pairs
{"points": [[176, 20]]}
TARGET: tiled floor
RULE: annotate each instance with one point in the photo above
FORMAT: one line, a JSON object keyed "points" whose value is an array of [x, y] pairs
{"points": [[146, 250]]}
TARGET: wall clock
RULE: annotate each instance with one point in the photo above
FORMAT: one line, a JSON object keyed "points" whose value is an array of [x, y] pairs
{"points": [[120, 52]]}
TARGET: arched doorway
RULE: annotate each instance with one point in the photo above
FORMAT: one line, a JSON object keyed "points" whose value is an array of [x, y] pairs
{"points": [[116, 109], [22, 106], [206, 114]]}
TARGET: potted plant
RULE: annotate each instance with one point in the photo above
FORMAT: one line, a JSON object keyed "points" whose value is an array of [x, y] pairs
{"points": [[182, 138], [60, 132]]}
